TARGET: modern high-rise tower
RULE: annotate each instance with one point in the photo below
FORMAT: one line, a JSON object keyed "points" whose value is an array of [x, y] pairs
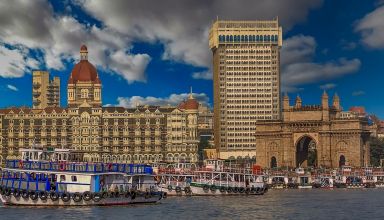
{"points": [[45, 92], [246, 78]]}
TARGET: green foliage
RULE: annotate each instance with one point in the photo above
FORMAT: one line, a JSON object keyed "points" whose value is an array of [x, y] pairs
{"points": [[203, 144], [377, 150]]}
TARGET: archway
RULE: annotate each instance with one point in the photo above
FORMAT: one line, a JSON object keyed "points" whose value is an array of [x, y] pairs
{"points": [[341, 161], [306, 153], [273, 162]]}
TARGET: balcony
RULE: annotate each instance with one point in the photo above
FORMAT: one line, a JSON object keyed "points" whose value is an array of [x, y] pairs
{"points": [[36, 85], [36, 94], [36, 102]]}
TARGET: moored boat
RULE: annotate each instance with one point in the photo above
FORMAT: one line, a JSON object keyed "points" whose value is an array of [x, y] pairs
{"points": [[34, 182]]}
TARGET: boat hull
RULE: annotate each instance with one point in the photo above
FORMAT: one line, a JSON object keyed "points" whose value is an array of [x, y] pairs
{"points": [[11, 200], [199, 191]]}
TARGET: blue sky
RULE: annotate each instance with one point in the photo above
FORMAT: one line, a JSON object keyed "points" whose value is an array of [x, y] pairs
{"points": [[151, 53]]}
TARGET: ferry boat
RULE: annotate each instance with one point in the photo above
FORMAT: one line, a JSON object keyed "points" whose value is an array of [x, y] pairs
{"points": [[35, 181], [216, 179]]}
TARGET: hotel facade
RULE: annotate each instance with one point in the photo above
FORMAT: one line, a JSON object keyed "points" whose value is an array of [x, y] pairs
{"points": [[246, 76], [144, 134]]}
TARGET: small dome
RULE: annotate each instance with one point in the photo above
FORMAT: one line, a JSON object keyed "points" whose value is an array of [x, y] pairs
{"points": [[83, 48], [84, 71]]}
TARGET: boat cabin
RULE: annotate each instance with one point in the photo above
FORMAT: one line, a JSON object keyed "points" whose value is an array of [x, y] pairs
{"points": [[214, 164]]}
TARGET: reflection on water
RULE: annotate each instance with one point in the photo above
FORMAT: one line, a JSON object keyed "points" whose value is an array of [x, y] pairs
{"points": [[284, 204]]}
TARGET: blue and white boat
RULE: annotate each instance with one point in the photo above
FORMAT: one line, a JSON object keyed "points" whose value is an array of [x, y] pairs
{"points": [[63, 183]]}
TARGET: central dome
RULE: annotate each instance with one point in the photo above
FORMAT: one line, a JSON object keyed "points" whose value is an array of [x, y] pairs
{"points": [[84, 71]]}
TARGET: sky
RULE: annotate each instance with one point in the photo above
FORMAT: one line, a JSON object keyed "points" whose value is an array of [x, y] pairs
{"points": [[152, 52]]}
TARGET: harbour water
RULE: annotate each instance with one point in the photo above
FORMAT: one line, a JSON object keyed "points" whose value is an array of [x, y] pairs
{"points": [[276, 204]]}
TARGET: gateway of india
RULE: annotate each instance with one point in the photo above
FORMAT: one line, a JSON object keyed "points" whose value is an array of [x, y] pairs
{"points": [[314, 135]]}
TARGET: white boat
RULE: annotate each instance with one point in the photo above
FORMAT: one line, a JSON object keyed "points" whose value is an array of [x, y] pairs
{"points": [[216, 179]]}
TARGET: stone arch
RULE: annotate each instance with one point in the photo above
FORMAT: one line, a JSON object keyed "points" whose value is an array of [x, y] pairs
{"points": [[273, 162], [306, 151], [342, 160]]}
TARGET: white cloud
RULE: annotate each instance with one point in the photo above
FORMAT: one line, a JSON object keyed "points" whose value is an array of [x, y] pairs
{"points": [[33, 25], [371, 28], [15, 62], [202, 75], [13, 88], [328, 86], [182, 26], [298, 66], [172, 100], [358, 93]]}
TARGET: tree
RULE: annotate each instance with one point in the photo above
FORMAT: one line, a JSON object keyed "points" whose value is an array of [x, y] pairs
{"points": [[377, 150], [203, 144]]}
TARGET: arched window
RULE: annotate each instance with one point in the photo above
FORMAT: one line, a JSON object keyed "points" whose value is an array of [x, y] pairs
{"points": [[231, 38], [276, 38], [242, 38], [341, 161], [227, 38], [246, 38], [273, 162], [257, 37]]}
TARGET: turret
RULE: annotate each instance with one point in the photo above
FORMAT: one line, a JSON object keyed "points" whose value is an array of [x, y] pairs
{"points": [[298, 102], [325, 106], [336, 102], [286, 102], [324, 100]]}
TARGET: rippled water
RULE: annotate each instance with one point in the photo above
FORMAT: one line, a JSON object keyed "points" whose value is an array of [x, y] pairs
{"points": [[278, 204]]}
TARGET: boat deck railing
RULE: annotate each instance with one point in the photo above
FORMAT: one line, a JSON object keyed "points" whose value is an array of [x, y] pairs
{"points": [[82, 167]]}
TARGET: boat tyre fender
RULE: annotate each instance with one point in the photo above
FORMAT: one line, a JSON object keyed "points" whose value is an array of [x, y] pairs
{"points": [[253, 189], [7, 192], [54, 196], [236, 190], [43, 195], [222, 189], [127, 194], [24, 194], [213, 188], [97, 197], [33, 195], [62, 166], [104, 195], [205, 188], [258, 190], [133, 195], [187, 190], [16, 193], [247, 190], [77, 197], [229, 189], [242, 190], [178, 189], [65, 197], [169, 188], [87, 196]]}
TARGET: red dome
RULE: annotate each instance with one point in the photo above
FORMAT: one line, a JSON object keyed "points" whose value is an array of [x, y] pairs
{"points": [[357, 109], [182, 105], [84, 71], [83, 48], [191, 104]]}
